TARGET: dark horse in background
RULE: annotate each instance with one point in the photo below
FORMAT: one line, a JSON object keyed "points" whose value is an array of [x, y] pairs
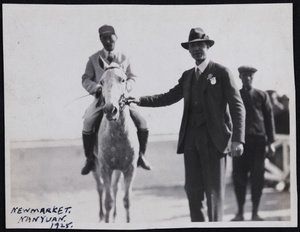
{"points": [[117, 148]]}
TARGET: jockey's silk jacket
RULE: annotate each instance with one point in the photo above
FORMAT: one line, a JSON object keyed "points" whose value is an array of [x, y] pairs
{"points": [[93, 71]]}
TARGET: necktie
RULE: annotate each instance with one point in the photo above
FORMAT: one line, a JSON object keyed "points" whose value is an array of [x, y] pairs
{"points": [[110, 57], [197, 73]]}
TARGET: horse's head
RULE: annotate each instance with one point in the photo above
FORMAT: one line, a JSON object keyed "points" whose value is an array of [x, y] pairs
{"points": [[113, 82]]}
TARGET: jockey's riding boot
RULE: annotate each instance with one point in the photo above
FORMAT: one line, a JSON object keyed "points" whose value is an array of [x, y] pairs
{"points": [[88, 145], [143, 140]]}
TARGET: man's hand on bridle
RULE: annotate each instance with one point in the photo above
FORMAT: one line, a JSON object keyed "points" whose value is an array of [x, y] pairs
{"points": [[130, 100]]}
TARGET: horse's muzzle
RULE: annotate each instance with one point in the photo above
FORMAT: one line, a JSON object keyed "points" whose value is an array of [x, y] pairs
{"points": [[111, 113]]}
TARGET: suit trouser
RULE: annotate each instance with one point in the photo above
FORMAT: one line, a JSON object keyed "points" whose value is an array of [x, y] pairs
{"points": [[252, 161], [204, 174], [93, 116]]}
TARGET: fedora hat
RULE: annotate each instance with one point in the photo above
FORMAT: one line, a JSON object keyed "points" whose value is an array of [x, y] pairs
{"points": [[196, 35]]}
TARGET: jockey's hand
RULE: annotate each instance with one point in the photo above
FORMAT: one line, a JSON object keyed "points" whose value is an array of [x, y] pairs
{"points": [[98, 91], [130, 100], [237, 149]]}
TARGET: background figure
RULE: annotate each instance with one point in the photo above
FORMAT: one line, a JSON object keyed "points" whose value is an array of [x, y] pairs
{"points": [[279, 177], [209, 131], [276, 105], [281, 112], [91, 82], [282, 120], [260, 136]]}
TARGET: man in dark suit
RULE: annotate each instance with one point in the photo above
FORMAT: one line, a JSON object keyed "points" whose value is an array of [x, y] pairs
{"points": [[260, 136], [212, 126]]}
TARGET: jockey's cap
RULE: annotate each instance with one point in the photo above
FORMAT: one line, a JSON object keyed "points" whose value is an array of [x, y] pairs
{"points": [[106, 29]]}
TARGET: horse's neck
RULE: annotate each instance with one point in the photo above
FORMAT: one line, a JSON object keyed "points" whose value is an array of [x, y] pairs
{"points": [[121, 124]]}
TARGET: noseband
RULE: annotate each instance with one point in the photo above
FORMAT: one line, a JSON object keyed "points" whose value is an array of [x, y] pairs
{"points": [[122, 102]]}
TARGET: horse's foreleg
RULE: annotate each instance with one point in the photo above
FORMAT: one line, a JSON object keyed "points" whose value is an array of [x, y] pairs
{"points": [[100, 193], [115, 181], [128, 180], [108, 198]]}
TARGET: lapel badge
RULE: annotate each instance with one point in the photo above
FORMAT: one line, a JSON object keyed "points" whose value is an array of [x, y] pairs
{"points": [[212, 79]]}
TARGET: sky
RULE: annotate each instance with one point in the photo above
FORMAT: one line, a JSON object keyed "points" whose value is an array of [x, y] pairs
{"points": [[46, 48]]}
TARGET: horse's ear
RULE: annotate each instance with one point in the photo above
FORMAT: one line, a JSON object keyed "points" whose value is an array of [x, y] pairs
{"points": [[113, 65], [106, 66], [102, 63]]}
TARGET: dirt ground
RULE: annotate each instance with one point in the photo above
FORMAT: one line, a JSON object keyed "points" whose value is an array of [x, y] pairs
{"points": [[47, 177]]}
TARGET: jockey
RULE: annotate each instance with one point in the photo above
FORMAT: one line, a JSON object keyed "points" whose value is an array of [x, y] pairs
{"points": [[94, 114]]}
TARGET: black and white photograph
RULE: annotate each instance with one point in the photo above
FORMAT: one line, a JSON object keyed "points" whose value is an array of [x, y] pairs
{"points": [[141, 116]]}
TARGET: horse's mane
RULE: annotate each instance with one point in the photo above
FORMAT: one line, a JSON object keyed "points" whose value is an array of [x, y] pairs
{"points": [[112, 66]]}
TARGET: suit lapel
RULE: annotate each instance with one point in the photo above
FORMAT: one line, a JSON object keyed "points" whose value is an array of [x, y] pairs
{"points": [[187, 87], [207, 71]]}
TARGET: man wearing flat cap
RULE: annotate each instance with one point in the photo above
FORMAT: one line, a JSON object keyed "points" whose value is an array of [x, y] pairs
{"points": [[260, 136], [93, 115], [212, 126]]}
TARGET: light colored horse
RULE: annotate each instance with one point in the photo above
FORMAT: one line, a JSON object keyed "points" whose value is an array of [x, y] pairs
{"points": [[117, 144]]}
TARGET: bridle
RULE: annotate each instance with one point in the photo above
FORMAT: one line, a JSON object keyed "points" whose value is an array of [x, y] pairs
{"points": [[122, 102]]}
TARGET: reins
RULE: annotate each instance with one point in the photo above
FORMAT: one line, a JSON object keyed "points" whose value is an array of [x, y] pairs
{"points": [[122, 102]]}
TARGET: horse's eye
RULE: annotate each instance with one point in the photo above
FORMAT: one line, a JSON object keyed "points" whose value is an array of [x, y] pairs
{"points": [[101, 82], [123, 80]]}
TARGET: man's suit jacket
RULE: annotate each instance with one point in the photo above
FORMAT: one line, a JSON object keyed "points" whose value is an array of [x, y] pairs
{"points": [[222, 106]]}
